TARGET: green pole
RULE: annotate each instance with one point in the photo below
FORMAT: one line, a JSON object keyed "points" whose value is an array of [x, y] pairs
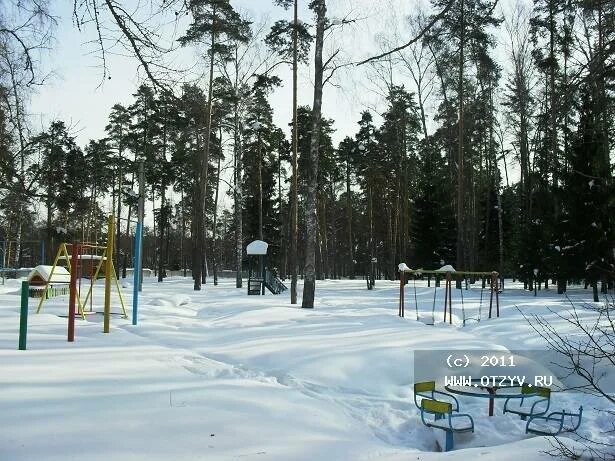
{"points": [[23, 316]]}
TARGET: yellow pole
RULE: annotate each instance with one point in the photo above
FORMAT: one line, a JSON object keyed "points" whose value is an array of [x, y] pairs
{"points": [[108, 273], [61, 249], [119, 292]]}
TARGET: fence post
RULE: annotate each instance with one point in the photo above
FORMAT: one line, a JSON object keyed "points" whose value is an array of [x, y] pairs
{"points": [[23, 315]]}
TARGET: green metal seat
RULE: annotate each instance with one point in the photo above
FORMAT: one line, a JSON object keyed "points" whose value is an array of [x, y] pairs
{"points": [[535, 402], [445, 419], [427, 390], [554, 423]]}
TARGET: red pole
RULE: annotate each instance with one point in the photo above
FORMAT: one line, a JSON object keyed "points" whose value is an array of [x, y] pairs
{"points": [[73, 293]]}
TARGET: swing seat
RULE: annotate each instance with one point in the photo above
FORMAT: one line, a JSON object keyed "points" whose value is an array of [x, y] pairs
{"points": [[470, 319], [427, 390], [555, 423], [427, 320]]}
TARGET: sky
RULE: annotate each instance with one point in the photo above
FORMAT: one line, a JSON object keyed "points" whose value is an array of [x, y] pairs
{"points": [[76, 92]]}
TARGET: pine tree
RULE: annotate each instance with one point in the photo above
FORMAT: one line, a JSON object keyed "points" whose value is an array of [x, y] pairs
{"points": [[62, 180], [398, 139], [433, 226], [259, 147], [464, 27], [118, 133], [589, 202], [291, 41], [346, 151], [309, 285], [368, 174], [214, 21]]}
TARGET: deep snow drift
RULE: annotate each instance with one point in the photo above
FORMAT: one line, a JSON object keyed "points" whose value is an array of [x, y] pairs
{"points": [[218, 375]]}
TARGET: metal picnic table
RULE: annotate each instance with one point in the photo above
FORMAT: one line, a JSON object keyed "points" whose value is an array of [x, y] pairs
{"points": [[490, 391]]}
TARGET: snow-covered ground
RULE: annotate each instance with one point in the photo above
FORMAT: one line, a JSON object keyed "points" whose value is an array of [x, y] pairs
{"points": [[219, 375]]}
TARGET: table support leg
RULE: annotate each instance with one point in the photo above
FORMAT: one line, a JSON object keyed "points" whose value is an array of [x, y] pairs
{"points": [[491, 399]]}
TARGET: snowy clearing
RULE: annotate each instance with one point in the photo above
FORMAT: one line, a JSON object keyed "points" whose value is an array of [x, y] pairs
{"points": [[218, 375]]}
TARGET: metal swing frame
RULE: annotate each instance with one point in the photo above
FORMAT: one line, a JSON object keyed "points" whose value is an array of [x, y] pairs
{"points": [[448, 276]]}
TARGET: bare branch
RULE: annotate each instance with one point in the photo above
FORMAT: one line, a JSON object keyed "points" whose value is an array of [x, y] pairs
{"points": [[418, 37]]}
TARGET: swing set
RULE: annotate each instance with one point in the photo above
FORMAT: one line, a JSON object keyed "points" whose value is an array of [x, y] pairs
{"points": [[448, 276], [90, 261]]}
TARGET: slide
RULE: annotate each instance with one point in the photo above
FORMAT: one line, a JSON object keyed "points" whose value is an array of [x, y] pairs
{"points": [[274, 284]]}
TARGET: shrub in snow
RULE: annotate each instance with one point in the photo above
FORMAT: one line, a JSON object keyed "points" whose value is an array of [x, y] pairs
{"points": [[589, 356]]}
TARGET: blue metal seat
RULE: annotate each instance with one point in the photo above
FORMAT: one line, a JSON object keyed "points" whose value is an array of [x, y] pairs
{"points": [[535, 402], [445, 419], [554, 423], [427, 390]]}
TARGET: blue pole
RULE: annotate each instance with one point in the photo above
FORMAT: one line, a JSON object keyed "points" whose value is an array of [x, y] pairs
{"points": [[136, 271]]}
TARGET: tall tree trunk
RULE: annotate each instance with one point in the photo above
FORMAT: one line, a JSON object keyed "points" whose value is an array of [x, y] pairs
{"points": [[371, 242], [390, 254], [283, 248], [163, 194], [238, 193], [132, 185], [49, 235], [294, 221], [422, 111], [154, 234], [118, 227], [349, 218], [460, 159], [215, 223], [309, 286], [22, 161], [200, 275], [552, 99], [182, 236], [161, 226], [333, 236], [326, 269], [260, 187]]}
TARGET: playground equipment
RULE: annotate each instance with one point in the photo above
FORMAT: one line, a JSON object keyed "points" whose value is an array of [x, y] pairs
{"points": [[259, 275], [42, 285], [555, 423], [83, 260], [445, 419], [535, 402], [427, 390], [448, 273]]}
